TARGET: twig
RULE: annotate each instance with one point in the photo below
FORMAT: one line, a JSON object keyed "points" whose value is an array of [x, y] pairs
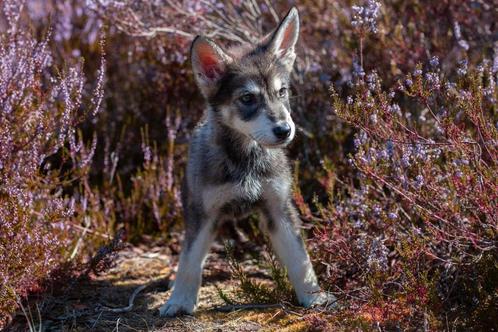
{"points": [[84, 229], [95, 322], [273, 13], [80, 239], [117, 325], [361, 52], [130, 301], [234, 307]]}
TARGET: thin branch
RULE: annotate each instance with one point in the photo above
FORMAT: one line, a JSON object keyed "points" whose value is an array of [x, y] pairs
{"points": [[251, 306], [130, 301]]}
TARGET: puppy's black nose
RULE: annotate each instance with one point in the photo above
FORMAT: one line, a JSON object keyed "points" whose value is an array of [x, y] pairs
{"points": [[282, 131]]}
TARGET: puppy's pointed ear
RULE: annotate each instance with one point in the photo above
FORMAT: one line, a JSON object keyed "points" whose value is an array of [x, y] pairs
{"points": [[209, 63], [283, 41]]}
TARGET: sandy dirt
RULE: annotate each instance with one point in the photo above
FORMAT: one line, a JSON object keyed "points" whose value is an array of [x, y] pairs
{"points": [[85, 306]]}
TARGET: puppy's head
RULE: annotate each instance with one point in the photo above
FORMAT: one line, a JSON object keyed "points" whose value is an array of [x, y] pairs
{"points": [[248, 90]]}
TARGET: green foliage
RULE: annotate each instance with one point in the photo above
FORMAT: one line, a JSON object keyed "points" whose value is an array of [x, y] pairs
{"points": [[251, 291]]}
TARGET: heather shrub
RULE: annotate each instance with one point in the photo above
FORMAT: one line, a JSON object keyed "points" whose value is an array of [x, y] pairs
{"points": [[40, 109], [141, 133], [412, 238], [69, 178], [416, 229]]}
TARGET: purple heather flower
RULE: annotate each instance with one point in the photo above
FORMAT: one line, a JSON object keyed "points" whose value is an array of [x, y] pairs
{"points": [[494, 69], [373, 80], [377, 258], [419, 181], [358, 70], [463, 44], [405, 160], [357, 142], [390, 148], [433, 80], [365, 17], [458, 36], [462, 67], [394, 109], [450, 86], [434, 62], [382, 154], [373, 118], [456, 30]]}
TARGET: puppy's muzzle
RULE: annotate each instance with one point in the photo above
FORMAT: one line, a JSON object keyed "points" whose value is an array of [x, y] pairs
{"points": [[282, 131]]}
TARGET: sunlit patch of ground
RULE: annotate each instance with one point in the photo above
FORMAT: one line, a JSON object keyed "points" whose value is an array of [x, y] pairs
{"points": [[84, 307]]}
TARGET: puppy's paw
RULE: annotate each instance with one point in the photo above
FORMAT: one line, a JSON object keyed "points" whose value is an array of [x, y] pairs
{"points": [[175, 307], [321, 298]]}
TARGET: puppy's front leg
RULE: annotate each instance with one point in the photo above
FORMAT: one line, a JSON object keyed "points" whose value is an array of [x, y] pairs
{"points": [[184, 298], [283, 226]]}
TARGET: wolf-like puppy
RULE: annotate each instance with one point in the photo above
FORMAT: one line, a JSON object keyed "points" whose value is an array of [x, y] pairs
{"points": [[236, 159]]}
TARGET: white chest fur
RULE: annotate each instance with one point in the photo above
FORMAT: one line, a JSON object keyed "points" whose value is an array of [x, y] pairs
{"points": [[272, 190], [216, 196]]}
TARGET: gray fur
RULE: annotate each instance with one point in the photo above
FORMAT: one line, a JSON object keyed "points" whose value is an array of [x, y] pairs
{"points": [[236, 163]]}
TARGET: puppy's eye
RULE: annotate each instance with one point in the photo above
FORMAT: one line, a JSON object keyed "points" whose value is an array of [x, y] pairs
{"points": [[248, 99], [282, 92]]}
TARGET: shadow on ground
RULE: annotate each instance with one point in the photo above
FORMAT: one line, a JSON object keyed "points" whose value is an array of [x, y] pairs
{"points": [[85, 306]]}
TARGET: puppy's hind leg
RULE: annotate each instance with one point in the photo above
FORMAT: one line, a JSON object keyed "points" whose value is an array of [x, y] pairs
{"points": [[184, 298]]}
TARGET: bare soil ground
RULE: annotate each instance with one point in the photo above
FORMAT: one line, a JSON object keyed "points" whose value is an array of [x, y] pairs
{"points": [[85, 306]]}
